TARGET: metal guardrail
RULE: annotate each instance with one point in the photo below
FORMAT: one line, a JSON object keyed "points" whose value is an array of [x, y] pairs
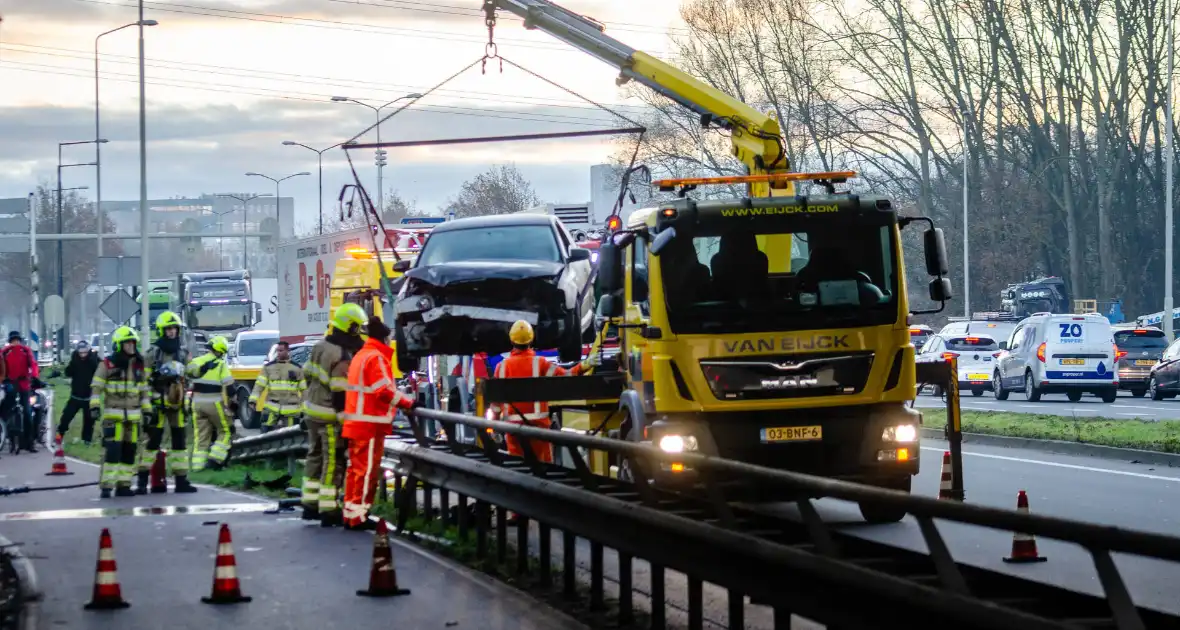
{"points": [[290, 441], [804, 567]]}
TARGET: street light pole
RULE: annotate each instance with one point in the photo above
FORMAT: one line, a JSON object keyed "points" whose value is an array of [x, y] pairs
{"points": [[966, 265], [245, 210], [1169, 147], [320, 156], [277, 198], [62, 332], [380, 152]]}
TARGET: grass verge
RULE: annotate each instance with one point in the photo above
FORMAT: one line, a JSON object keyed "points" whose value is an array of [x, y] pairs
{"points": [[1162, 436]]}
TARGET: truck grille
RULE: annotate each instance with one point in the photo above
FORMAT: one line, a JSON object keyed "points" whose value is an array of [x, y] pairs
{"points": [[788, 376]]}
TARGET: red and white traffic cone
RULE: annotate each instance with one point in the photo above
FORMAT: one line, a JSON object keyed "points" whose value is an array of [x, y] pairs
{"points": [[59, 462], [382, 577], [946, 489], [107, 593], [1024, 546], [226, 588]]}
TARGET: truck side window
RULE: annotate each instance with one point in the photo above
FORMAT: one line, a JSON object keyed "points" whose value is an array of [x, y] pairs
{"points": [[639, 285]]}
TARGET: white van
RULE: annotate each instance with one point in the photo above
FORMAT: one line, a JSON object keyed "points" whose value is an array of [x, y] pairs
{"points": [[1059, 354]]}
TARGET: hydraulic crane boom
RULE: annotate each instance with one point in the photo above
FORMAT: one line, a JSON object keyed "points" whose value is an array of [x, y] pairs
{"points": [[755, 136]]}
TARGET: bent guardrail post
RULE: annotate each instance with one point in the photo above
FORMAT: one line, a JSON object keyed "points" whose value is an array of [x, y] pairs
{"points": [[945, 374]]}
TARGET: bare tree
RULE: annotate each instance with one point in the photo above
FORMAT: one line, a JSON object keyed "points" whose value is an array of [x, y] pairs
{"points": [[501, 190]]}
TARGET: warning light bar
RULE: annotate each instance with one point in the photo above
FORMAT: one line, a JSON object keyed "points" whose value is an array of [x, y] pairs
{"points": [[776, 178], [359, 253]]}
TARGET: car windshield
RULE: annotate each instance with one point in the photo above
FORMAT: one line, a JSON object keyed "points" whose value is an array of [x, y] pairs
{"points": [[745, 280], [506, 242], [1140, 340], [255, 346], [221, 316], [300, 354]]}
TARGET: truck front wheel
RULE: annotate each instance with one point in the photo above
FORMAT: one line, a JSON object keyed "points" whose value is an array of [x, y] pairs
{"points": [[877, 514]]}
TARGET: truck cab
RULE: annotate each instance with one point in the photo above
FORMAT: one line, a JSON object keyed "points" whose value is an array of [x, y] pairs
{"points": [[772, 331]]}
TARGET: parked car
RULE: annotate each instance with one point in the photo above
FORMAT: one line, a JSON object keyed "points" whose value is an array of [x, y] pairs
{"points": [[1070, 354], [474, 277], [1139, 349], [974, 359], [919, 334], [299, 352]]}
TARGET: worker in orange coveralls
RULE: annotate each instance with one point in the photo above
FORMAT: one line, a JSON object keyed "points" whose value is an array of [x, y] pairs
{"points": [[523, 362], [369, 404]]}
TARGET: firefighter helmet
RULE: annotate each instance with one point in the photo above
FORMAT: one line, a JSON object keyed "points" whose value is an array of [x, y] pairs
{"points": [[347, 316], [167, 320], [219, 345], [123, 333], [521, 333]]}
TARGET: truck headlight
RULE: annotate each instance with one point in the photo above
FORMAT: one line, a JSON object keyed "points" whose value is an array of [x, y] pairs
{"points": [[677, 443], [900, 433]]}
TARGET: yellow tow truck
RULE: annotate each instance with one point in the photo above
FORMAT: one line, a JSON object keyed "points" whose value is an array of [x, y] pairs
{"points": [[771, 328], [357, 277]]}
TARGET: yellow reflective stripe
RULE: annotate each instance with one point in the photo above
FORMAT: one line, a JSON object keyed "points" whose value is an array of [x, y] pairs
{"points": [[283, 386], [319, 411], [316, 371], [338, 384], [261, 380]]}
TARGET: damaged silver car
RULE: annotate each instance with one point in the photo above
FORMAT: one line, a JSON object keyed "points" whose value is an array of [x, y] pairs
{"points": [[476, 276]]}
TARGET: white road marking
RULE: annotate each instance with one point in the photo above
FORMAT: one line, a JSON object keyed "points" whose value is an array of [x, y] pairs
{"points": [[1059, 465]]}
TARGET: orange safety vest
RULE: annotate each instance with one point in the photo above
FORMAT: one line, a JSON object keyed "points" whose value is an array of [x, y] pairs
{"points": [[526, 364], [371, 394]]}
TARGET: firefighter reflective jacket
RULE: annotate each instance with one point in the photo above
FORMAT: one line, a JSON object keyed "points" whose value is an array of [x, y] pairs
{"points": [[210, 377], [120, 388], [372, 393], [283, 383], [158, 388], [526, 364], [326, 375]]}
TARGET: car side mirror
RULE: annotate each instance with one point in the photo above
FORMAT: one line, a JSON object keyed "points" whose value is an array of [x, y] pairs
{"points": [[257, 313], [940, 289], [934, 247], [402, 265], [610, 305], [664, 237], [1003, 345], [610, 269], [577, 254]]}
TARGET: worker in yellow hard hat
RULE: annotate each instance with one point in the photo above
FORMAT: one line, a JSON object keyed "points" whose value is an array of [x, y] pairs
{"points": [[523, 362]]}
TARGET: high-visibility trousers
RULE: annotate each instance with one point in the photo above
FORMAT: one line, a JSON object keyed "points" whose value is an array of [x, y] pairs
{"points": [[151, 438], [323, 472], [213, 432], [120, 433], [364, 473], [543, 450]]}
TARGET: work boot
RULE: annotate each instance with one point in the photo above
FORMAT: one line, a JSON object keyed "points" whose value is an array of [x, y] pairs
{"points": [[311, 512], [141, 482], [215, 465], [124, 491], [332, 519], [183, 486], [105, 493]]}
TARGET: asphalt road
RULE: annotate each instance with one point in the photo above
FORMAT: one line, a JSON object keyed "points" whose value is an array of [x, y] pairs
{"points": [[299, 575], [1126, 406]]}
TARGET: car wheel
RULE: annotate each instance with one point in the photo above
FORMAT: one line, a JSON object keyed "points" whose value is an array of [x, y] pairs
{"points": [[880, 514], [998, 388], [977, 392], [570, 350], [1138, 393], [1073, 396], [1110, 395], [1153, 389], [1031, 393], [405, 363]]}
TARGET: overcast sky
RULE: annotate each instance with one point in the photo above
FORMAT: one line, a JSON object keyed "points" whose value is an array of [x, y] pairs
{"points": [[229, 80]]}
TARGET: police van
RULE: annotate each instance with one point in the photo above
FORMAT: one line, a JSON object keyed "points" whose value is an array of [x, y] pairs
{"points": [[1058, 354]]}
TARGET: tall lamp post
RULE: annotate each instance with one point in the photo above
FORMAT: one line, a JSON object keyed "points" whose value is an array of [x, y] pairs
{"points": [[98, 134], [60, 190], [245, 205], [278, 197], [1169, 147], [380, 152], [61, 334], [320, 159]]}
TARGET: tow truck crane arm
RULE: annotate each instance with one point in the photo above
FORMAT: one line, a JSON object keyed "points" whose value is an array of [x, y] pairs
{"points": [[756, 137]]}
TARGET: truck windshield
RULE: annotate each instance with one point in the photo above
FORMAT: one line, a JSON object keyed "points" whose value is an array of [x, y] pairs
{"points": [[741, 280], [221, 316], [507, 242]]}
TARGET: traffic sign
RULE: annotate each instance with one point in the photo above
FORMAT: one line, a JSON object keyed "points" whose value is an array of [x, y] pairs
{"points": [[119, 306], [119, 270], [54, 312], [18, 224], [14, 244], [14, 205]]}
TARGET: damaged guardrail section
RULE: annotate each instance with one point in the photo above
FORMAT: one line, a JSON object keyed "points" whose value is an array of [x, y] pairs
{"points": [[798, 564]]}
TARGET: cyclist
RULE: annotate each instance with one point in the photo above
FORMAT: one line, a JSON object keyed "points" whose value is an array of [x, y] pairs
{"points": [[20, 369]]}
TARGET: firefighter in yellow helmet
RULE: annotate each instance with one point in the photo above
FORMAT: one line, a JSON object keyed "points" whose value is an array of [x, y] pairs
{"points": [[165, 363], [326, 376], [213, 411], [523, 362], [119, 395]]}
